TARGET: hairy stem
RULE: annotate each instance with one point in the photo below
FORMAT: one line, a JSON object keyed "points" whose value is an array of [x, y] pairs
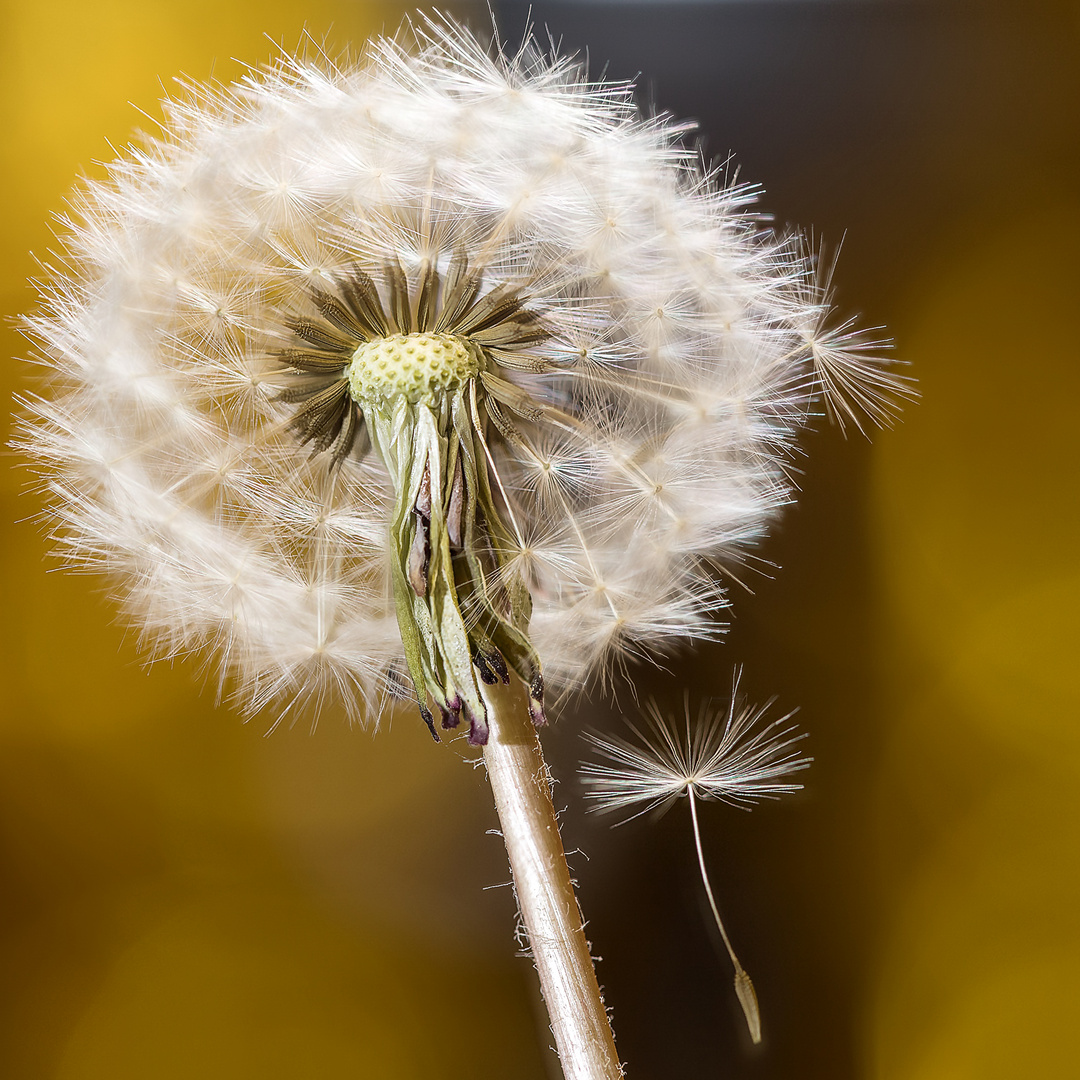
{"points": [[549, 909]]}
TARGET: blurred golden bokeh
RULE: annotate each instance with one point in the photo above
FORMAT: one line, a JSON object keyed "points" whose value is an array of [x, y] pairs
{"points": [[180, 896], [978, 535]]}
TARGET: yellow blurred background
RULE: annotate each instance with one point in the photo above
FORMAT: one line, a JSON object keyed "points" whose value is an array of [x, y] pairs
{"points": [[180, 896]]}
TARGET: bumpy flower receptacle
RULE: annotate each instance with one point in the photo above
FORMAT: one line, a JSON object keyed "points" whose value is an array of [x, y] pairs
{"points": [[415, 366]]}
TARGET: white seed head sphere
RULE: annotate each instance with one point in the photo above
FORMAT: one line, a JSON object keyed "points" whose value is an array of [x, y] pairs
{"points": [[610, 361]]}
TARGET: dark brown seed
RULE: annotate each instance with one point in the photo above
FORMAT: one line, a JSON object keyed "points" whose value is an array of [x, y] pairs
{"points": [[427, 297], [315, 364], [320, 335], [335, 312], [459, 291], [362, 296], [398, 285], [491, 308]]}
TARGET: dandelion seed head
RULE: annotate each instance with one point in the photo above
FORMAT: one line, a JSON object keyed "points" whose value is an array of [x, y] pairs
{"points": [[622, 354]]}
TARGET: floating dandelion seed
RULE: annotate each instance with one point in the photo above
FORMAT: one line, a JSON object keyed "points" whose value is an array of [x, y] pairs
{"points": [[727, 754], [441, 369]]}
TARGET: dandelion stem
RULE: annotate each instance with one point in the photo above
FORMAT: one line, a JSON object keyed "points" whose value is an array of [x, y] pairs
{"points": [[549, 909], [744, 988]]}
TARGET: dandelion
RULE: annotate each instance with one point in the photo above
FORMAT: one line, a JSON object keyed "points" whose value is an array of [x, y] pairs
{"points": [[726, 754], [439, 373]]}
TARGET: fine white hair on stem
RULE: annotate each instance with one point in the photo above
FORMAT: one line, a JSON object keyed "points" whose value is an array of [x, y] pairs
{"points": [[721, 753]]}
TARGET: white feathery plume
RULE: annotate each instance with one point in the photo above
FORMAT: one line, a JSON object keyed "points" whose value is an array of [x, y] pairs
{"points": [[725, 753]]}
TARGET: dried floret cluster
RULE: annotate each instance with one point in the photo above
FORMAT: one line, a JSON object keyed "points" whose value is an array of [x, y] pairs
{"points": [[631, 355]]}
